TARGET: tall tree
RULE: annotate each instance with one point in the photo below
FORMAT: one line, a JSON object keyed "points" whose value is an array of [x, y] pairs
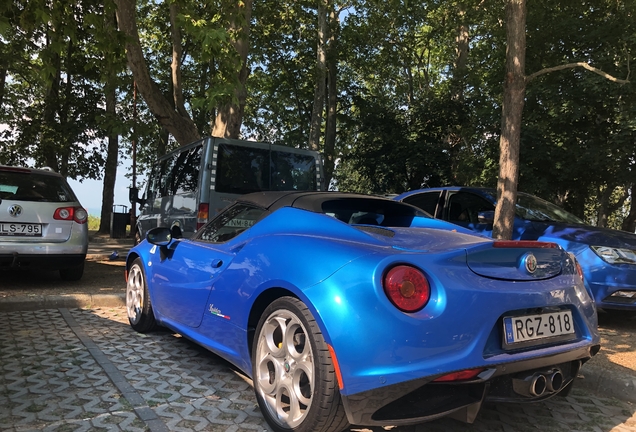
{"points": [[172, 115], [513, 101]]}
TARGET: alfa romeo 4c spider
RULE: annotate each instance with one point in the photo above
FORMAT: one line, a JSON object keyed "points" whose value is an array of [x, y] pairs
{"points": [[351, 309]]}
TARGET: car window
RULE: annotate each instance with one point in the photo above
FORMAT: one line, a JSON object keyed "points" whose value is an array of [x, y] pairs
{"points": [[20, 186], [427, 201], [533, 208], [230, 223], [363, 211], [464, 207]]}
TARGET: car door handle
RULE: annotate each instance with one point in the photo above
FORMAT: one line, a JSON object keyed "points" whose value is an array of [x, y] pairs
{"points": [[217, 263]]}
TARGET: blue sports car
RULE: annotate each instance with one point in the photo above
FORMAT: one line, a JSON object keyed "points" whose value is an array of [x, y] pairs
{"points": [[607, 257], [350, 309]]}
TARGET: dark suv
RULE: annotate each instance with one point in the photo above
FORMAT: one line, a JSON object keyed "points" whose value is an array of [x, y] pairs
{"points": [[42, 224]]}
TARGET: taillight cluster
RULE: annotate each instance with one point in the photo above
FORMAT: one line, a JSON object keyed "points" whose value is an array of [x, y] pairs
{"points": [[77, 214], [407, 288], [203, 214]]}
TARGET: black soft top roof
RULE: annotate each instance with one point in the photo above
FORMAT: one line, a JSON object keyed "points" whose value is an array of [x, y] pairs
{"points": [[316, 202]]}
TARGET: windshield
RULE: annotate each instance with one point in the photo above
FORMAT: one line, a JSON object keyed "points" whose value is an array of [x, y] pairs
{"points": [[532, 208]]}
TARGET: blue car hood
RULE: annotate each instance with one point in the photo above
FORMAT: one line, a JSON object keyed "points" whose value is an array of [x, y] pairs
{"points": [[584, 234]]}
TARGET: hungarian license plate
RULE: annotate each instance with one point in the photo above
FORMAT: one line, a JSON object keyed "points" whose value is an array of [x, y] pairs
{"points": [[535, 327], [20, 229]]}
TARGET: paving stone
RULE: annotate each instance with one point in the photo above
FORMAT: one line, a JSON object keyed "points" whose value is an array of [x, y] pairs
{"points": [[51, 379]]}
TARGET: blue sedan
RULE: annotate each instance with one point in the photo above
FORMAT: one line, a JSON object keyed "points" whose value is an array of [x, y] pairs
{"points": [[350, 309], [607, 257]]}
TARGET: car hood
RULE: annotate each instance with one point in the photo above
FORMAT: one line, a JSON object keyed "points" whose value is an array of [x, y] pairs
{"points": [[584, 234]]}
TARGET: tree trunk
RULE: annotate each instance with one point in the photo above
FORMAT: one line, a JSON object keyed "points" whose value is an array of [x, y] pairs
{"points": [[513, 101], [112, 154], [175, 66], [110, 169], [332, 95], [3, 81], [321, 74], [176, 121], [230, 117]]}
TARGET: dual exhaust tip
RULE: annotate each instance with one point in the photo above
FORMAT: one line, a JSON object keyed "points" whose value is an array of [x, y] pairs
{"points": [[539, 383]]}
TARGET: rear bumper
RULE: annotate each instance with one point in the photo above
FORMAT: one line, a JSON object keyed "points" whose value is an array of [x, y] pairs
{"points": [[423, 400], [36, 262]]}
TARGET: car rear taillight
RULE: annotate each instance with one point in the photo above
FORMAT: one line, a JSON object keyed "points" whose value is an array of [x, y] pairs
{"points": [[579, 269], [202, 214], [524, 244], [464, 375], [77, 214], [407, 288]]}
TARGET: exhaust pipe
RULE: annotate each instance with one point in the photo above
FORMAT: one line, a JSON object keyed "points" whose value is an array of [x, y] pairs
{"points": [[554, 381], [539, 383], [532, 386]]}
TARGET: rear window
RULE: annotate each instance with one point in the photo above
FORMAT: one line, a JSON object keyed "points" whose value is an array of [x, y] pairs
{"points": [[19, 186], [363, 211]]}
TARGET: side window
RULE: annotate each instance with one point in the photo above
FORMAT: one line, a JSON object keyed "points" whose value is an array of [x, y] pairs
{"points": [[164, 173], [230, 223], [464, 207], [185, 172], [427, 201], [293, 171], [154, 186], [241, 169]]}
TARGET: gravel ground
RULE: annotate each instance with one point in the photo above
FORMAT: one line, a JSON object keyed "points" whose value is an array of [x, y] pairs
{"points": [[618, 341]]}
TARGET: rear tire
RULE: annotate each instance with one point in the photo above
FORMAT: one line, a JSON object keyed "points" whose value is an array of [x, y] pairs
{"points": [[138, 306], [294, 378], [72, 273]]}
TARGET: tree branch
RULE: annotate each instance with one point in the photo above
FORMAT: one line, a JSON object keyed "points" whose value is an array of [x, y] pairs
{"points": [[573, 65]]}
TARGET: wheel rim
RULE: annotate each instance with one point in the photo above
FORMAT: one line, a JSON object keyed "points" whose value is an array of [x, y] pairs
{"points": [[135, 294], [285, 368]]}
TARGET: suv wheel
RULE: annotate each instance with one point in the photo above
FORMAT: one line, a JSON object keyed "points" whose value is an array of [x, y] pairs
{"points": [[73, 273]]}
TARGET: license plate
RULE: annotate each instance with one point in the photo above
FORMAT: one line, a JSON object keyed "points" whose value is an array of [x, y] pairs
{"points": [[534, 327], [20, 229]]}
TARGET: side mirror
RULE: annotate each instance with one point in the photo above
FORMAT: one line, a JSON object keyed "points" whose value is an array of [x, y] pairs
{"points": [[160, 236], [486, 217]]}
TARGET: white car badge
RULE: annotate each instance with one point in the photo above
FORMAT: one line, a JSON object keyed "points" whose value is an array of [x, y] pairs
{"points": [[15, 210], [531, 263]]}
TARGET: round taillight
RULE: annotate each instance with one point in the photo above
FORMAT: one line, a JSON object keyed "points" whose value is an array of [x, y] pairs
{"points": [[63, 213], [407, 288], [80, 215]]}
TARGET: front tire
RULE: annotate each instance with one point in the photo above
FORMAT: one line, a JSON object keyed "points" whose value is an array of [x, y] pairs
{"points": [[294, 378], [138, 306]]}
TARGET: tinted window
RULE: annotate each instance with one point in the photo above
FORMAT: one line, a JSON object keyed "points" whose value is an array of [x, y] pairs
{"points": [[245, 169], [241, 169], [34, 187], [230, 223], [292, 171], [464, 207], [426, 201], [371, 212], [185, 172]]}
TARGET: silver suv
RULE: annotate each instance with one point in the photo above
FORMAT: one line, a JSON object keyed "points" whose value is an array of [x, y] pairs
{"points": [[42, 225]]}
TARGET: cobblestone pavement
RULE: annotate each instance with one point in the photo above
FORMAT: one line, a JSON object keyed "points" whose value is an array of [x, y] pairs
{"points": [[77, 370]]}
